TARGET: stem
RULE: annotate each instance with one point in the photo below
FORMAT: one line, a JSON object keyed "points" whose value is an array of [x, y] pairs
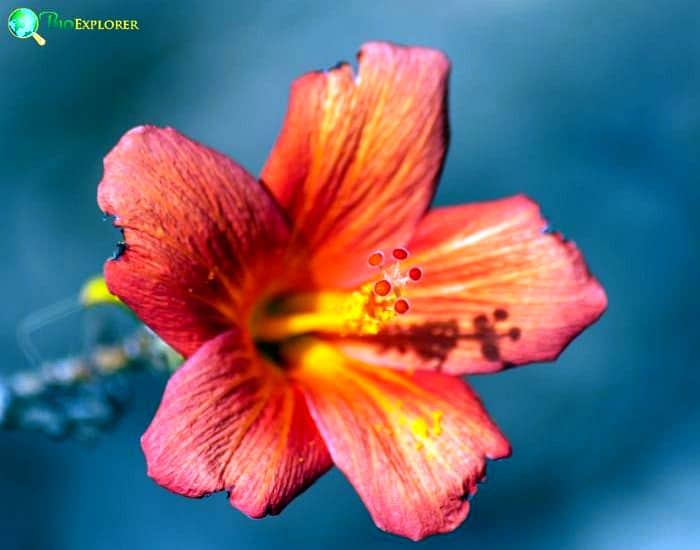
{"points": [[81, 395]]}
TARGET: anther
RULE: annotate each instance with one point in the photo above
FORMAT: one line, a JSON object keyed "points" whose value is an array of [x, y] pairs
{"points": [[382, 287], [401, 306]]}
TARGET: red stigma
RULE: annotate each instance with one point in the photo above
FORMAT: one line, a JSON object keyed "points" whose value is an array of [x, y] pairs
{"points": [[382, 287], [388, 289], [401, 306], [376, 258], [400, 253], [415, 273]]}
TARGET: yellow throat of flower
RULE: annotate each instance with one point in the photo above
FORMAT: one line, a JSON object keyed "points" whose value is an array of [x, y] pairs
{"points": [[363, 311]]}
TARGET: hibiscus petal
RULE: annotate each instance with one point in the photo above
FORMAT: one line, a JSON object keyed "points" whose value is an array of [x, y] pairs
{"points": [[413, 446], [358, 157], [498, 289], [230, 422], [203, 238]]}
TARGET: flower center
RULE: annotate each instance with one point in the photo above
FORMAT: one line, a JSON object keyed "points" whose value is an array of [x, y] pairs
{"points": [[360, 312]]}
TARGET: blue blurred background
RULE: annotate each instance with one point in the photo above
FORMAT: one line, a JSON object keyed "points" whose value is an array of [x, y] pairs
{"points": [[590, 107]]}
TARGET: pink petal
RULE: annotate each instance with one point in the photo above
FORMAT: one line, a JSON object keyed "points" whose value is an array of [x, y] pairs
{"points": [[229, 421], [497, 290], [358, 158], [203, 238], [413, 446]]}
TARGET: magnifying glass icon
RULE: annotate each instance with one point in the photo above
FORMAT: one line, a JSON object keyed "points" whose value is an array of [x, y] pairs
{"points": [[23, 23]]}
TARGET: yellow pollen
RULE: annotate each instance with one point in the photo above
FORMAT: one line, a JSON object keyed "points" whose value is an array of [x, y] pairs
{"points": [[419, 428], [365, 312], [423, 431], [437, 427], [361, 312]]}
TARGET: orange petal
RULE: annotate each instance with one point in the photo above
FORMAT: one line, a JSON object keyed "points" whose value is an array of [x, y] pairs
{"points": [[413, 446], [497, 289], [229, 422], [203, 238], [358, 157]]}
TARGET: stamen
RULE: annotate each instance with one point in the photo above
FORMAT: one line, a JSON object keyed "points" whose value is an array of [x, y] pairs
{"points": [[401, 306]]}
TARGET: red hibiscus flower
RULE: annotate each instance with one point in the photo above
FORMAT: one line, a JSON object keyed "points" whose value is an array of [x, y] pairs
{"points": [[324, 312]]}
